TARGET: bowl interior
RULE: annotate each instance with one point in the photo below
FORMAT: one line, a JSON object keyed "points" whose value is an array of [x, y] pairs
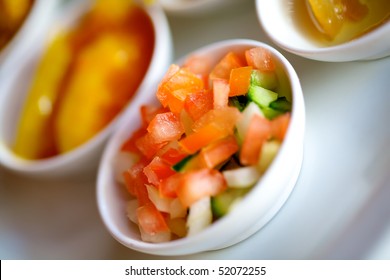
{"points": [[272, 190], [13, 94], [278, 21]]}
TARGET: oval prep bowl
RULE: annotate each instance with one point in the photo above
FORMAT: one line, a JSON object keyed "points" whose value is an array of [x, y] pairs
{"points": [[14, 88], [257, 207], [277, 22]]}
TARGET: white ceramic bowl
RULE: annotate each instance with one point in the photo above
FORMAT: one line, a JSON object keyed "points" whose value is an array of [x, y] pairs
{"points": [[34, 25], [14, 88], [277, 21], [257, 208]]}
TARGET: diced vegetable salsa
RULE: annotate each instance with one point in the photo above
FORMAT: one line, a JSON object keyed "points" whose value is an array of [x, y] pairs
{"points": [[196, 156]]}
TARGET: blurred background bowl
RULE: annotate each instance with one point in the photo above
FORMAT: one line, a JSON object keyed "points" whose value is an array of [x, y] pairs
{"points": [[257, 207], [279, 23], [33, 27], [15, 84]]}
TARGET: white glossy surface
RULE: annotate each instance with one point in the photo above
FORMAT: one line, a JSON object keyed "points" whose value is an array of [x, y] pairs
{"points": [[196, 7], [257, 208], [341, 197], [14, 88], [277, 21]]}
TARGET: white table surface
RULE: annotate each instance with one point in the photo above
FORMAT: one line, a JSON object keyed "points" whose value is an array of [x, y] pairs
{"points": [[339, 208]]}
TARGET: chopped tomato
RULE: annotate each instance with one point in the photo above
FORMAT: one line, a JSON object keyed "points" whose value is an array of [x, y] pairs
{"points": [[187, 144], [279, 126], [220, 93], [227, 63], [168, 186], [172, 154], [204, 136], [218, 151], [259, 131], [151, 220], [162, 94], [135, 181], [198, 103], [199, 65], [148, 112], [198, 184], [148, 146], [165, 127], [225, 118], [177, 98], [239, 81], [260, 58], [182, 80], [157, 170], [130, 144]]}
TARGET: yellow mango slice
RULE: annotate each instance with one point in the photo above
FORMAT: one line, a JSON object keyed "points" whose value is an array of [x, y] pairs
{"points": [[104, 78], [34, 137], [326, 15]]}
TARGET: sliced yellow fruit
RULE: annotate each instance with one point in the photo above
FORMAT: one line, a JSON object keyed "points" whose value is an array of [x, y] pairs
{"points": [[34, 138], [330, 15], [326, 15], [100, 85]]}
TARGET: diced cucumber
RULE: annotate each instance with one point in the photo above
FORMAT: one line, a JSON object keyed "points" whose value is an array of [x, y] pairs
{"points": [[243, 124], [270, 113], [199, 216], [281, 104], [268, 153], [261, 96], [223, 203], [162, 204], [243, 177], [239, 102], [284, 88], [185, 164], [268, 80]]}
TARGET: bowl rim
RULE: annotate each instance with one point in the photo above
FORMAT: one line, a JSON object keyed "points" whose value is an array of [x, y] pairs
{"points": [[333, 53], [196, 242], [162, 54]]}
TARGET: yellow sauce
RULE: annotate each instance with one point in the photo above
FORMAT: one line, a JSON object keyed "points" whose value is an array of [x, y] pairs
{"points": [[333, 22]]}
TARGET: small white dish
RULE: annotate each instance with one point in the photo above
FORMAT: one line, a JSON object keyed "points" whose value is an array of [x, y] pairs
{"points": [[258, 207], [278, 23], [14, 87]]}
